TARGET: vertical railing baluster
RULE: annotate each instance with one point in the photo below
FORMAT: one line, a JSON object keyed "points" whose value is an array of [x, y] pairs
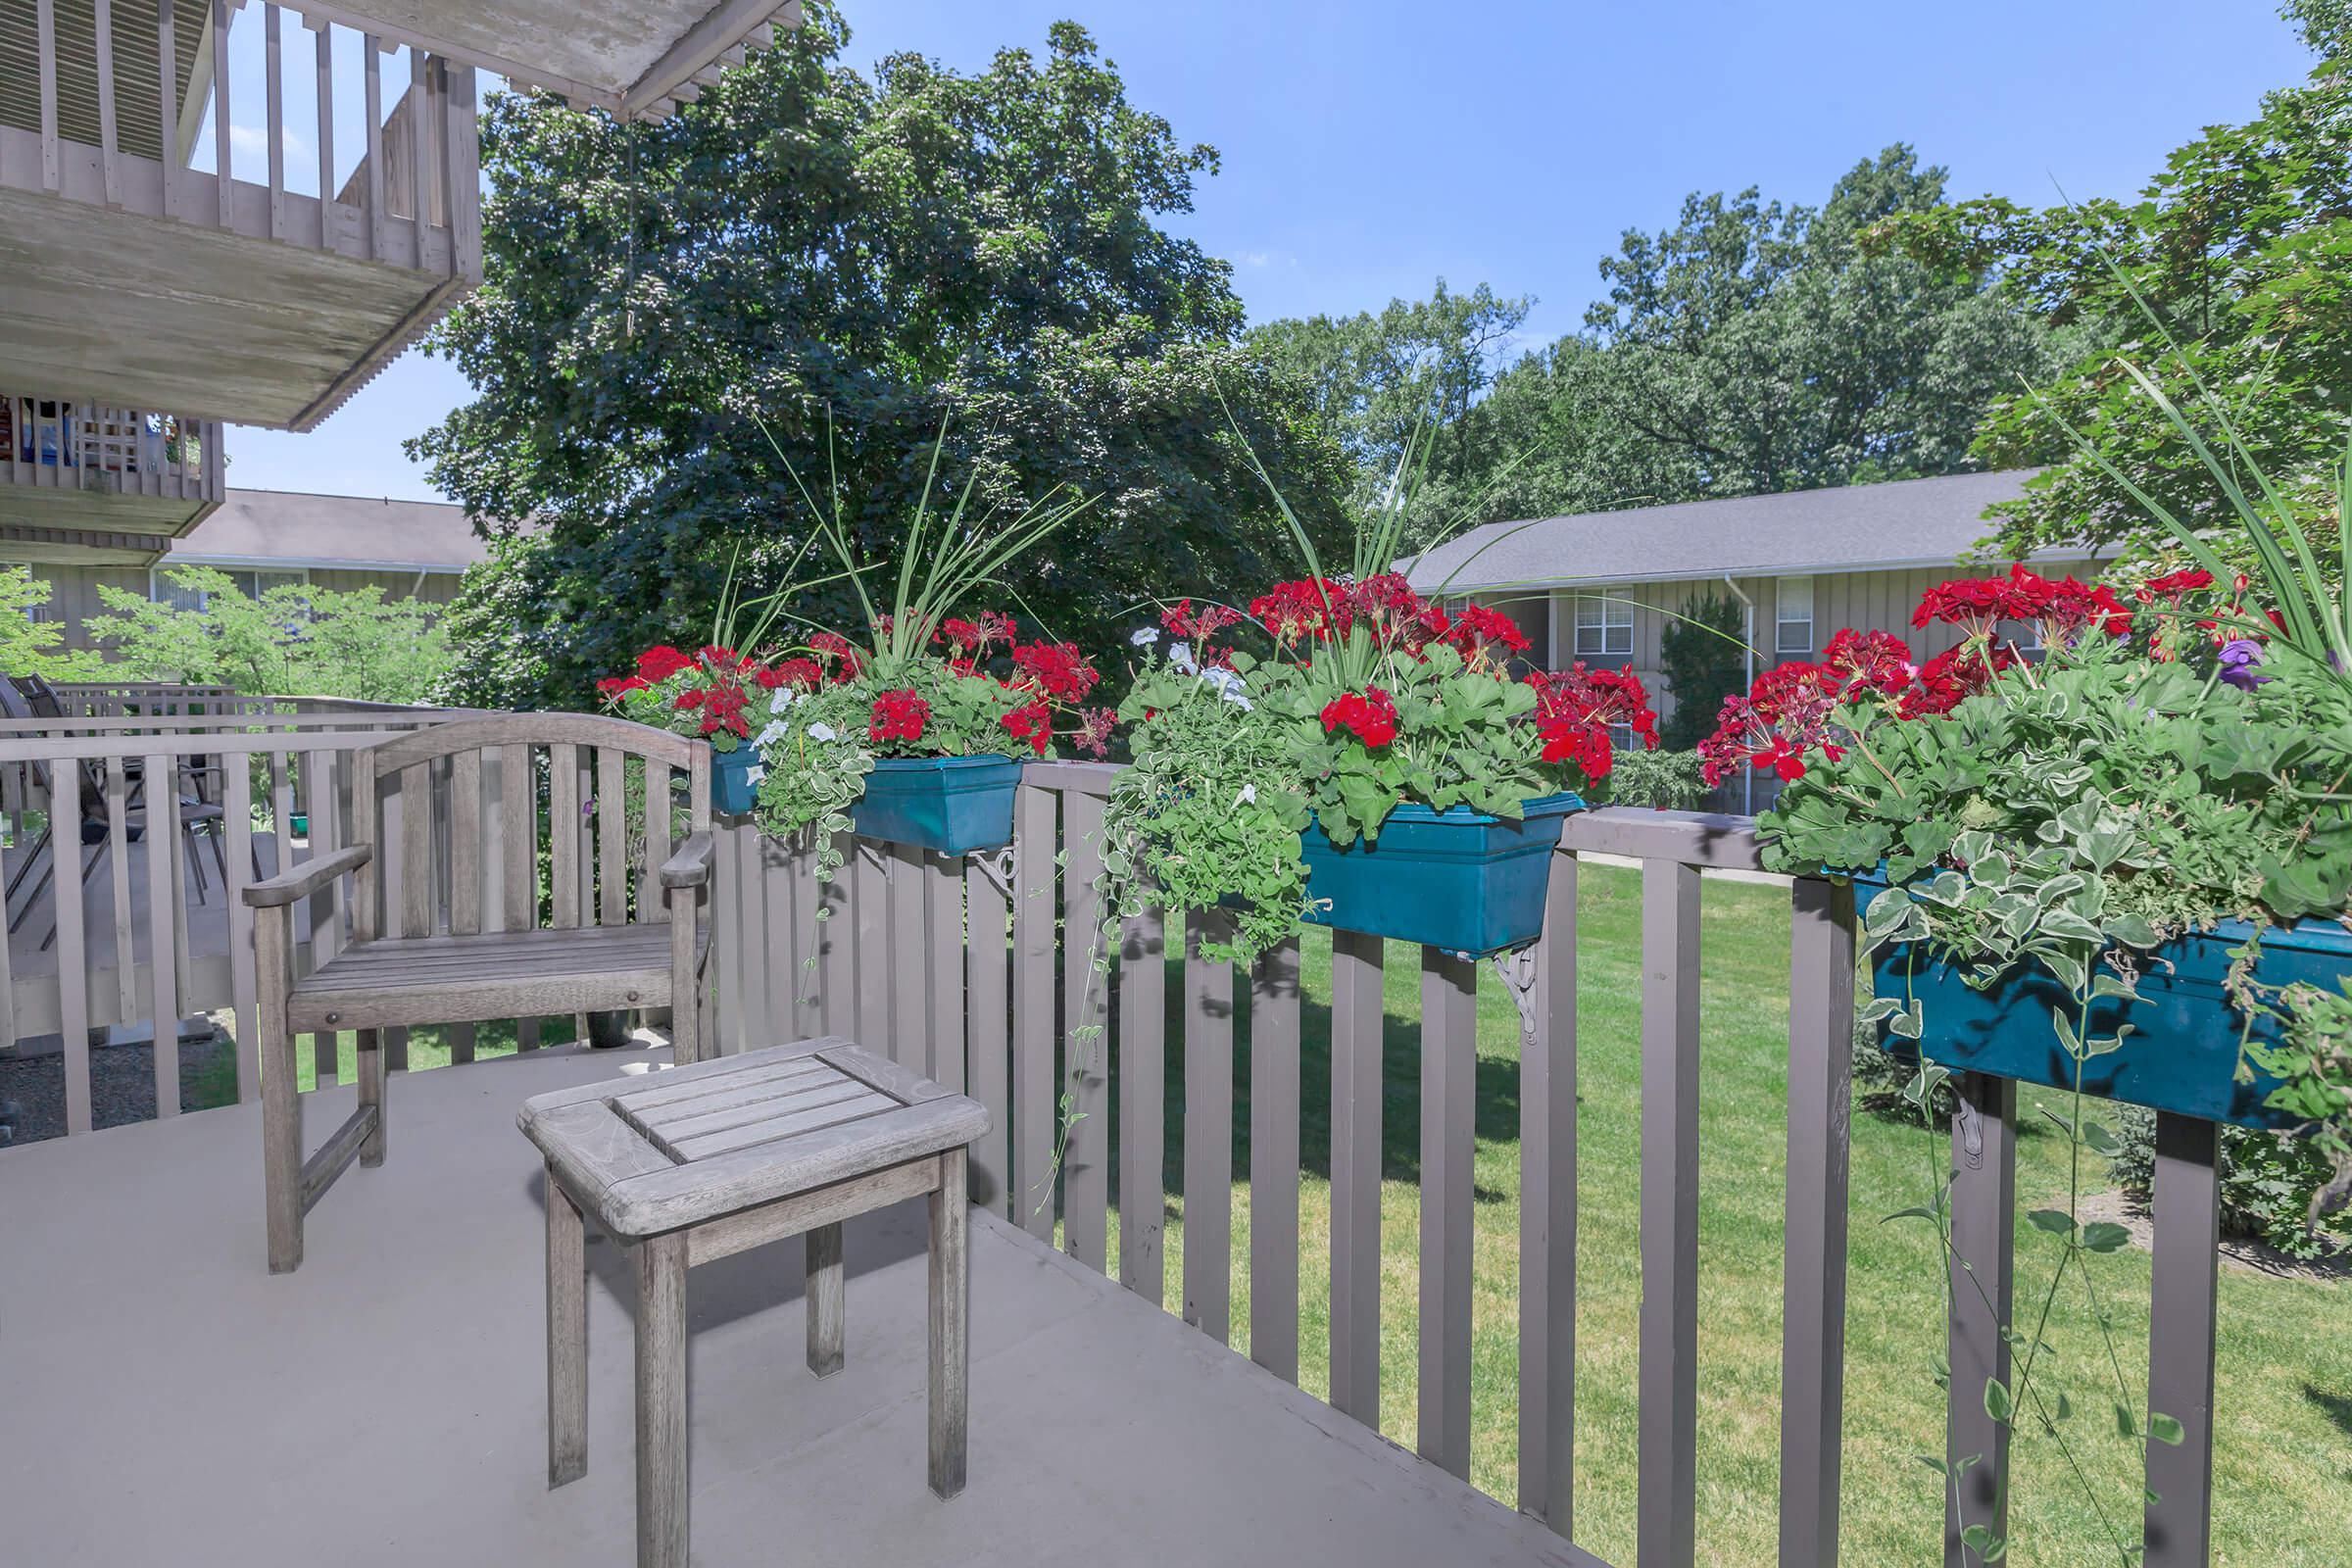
{"points": [[274, 111], [1274, 1162], [943, 953], [1143, 1090], [109, 146], [225, 179], [1207, 1128], [868, 873], [1984, 1199], [161, 771], [1547, 1214], [985, 985], [73, 938], [167, 119], [318, 805], [910, 910], [1821, 1036], [1086, 1050], [1448, 1106], [421, 119], [323, 36], [1033, 1009], [45, 47], [2181, 1326], [837, 954], [236, 770], [118, 853], [1358, 1020], [1667, 1484], [372, 77]]}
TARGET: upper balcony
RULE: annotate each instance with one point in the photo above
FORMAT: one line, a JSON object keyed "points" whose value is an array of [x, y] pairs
{"points": [[630, 58], [239, 211], [84, 482]]}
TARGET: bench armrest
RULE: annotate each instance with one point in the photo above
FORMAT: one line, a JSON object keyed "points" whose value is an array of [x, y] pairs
{"points": [[690, 868], [305, 879]]}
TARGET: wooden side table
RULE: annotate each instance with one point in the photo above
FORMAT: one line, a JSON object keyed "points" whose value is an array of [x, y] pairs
{"points": [[699, 1163]]}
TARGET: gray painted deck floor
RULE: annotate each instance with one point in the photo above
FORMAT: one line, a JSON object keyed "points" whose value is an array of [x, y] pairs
{"points": [[163, 1400]]}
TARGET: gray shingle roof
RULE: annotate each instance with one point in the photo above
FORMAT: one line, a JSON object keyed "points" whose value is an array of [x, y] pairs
{"points": [[350, 532], [1907, 522]]}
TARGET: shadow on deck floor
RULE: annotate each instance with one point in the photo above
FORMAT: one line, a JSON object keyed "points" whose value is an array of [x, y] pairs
{"points": [[163, 1400]]}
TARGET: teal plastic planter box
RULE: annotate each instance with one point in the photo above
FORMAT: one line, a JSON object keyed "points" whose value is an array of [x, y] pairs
{"points": [[950, 804], [732, 790], [1459, 880], [2182, 1053]]}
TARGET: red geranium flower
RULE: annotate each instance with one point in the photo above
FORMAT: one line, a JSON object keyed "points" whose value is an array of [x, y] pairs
{"points": [[1370, 717], [898, 716], [660, 663], [1032, 722], [1482, 634], [1059, 670]]}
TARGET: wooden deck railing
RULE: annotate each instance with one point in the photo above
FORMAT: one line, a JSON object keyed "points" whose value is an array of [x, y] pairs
{"points": [[977, 971], [884, 966]]}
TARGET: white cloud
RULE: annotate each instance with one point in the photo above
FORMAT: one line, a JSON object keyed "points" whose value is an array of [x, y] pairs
{"points": [[251, 143]]}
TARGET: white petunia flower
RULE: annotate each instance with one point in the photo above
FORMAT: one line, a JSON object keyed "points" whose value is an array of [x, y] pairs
{"points": [[1144, 636], [784, 698], [1248, 797], [754, 774], [1180, 659], [821, 731], [774, 732]]}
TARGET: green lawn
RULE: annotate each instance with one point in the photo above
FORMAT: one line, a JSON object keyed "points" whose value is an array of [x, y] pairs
{"points": [[2283, 1464]]}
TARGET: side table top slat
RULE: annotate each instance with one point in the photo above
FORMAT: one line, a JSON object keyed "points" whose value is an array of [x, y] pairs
{"points": [[654, 1154]]}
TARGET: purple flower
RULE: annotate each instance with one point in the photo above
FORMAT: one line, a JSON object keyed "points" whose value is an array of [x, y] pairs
{"points": [[2240, 657]]}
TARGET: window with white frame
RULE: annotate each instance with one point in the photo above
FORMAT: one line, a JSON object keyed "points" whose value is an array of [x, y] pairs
{"points": [[1793, 617], [1605, 629], [163, 589]]}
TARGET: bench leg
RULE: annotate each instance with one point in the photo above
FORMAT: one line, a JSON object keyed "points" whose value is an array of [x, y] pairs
{"points": [[281, 1103], [662, 1403], [567, 1338], [373, 1080], [951, 1326], [827, 1304]]}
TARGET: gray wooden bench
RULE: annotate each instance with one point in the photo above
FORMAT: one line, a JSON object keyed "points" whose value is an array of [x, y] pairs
{"points": [[699, 1163], [425, 956]]}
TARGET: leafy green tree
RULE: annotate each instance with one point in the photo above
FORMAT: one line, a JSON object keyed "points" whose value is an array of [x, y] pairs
{"points": [[1703, 655], [1764, 346], [29, 647], [2232, 269], [846, 264], [1378, 379], [295, 639]]}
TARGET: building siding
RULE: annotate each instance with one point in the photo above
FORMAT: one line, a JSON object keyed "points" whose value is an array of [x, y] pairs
{"points": [[1866, 601], [74, 590]]}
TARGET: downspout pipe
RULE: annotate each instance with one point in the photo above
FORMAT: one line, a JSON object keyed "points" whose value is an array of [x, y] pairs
{"points": [[1747, 640]]}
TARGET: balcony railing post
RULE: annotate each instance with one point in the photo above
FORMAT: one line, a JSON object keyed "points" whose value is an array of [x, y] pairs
{"points": [[1821, 1033], [1274, 1162], [1547, 1214], [1207, 1129], [2186, 1205], [1143, 1091], [1983, 1221], [1448, 1110], [1357, 1025], [1667, 1472]]}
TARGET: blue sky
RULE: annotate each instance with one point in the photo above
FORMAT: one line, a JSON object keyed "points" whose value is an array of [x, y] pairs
{"points": [[1372, 146]]}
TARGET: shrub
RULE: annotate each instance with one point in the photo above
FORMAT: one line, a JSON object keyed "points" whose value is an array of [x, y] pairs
{"points": [[1662, 780], [2267, 1181], [296, 640]]}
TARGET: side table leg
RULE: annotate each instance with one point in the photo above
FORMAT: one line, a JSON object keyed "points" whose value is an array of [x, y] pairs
{"points": [[827, 1306], [567, 1338], [662, 1496], [951, 1326]]}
